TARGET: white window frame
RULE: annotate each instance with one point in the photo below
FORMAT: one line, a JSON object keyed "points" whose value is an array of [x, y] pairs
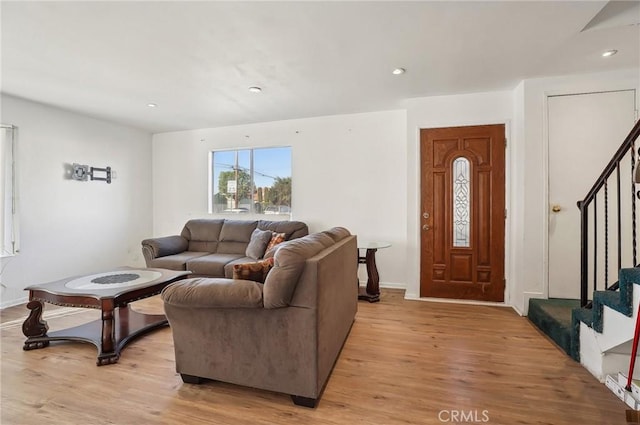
{"points": [[252, 173], [9, 240]]}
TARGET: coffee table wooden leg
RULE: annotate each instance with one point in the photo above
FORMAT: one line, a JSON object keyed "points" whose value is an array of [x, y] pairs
{"points": [[34, 326], [107, 354], [109, 358], [121, 326]]}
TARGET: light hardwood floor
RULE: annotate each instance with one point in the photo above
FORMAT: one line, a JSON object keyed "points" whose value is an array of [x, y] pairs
{"points": [[405, 362]]}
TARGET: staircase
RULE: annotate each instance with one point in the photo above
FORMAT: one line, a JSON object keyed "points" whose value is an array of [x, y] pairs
{"points": [[602, 335], [597, 330], [608, 324]]}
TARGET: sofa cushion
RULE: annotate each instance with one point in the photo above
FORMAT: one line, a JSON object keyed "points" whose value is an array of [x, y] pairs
{"points": [[235, 236], [292, 229], [322, 238], [177, 261], [289, 263], [213, 293], [203, 234], [337, 233], [253, 271], [258, 243], [211, 264]]}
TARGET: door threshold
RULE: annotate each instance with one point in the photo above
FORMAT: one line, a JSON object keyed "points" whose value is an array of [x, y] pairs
{"points": [[455, 301]]}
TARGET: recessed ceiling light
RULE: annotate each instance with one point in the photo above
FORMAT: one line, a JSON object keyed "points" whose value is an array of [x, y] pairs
{"points": [[399, 71], [151, 105], [609, 53], [255, 89]]}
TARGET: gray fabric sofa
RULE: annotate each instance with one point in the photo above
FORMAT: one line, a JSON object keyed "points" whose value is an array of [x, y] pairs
{"points": [[210, 247], [284, 335]]}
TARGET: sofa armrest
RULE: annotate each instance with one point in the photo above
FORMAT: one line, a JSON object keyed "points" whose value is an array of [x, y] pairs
{"points": [[213, 293], [161, 247]]}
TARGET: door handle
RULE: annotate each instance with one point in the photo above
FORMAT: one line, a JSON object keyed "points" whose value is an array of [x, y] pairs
{"points": [[426, 227], [556, 208]]}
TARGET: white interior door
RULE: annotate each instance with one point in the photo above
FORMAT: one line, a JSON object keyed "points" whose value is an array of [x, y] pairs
{"points": [[585, 130]]}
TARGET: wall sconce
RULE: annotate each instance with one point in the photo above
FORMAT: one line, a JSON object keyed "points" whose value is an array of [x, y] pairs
{"points": [[84, 173]]}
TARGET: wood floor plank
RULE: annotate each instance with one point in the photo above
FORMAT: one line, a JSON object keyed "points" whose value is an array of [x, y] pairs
{"points": [[405, 362]]}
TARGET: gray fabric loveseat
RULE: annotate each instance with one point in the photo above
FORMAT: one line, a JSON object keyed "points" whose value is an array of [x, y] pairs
{"points": [[284, 335], [210, 247]]}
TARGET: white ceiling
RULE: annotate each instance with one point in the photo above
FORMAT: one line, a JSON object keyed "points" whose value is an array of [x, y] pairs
{"points": [[195, 60]]}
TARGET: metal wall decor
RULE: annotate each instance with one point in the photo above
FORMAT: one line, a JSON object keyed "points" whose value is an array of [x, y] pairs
{"points": [[84, 172]]}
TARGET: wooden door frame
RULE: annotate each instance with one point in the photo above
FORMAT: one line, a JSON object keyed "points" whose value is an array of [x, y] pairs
{"points": [[415, 219]]}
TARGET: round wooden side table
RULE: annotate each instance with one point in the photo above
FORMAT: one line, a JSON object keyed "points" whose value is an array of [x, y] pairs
{"points": [[371, 292]]}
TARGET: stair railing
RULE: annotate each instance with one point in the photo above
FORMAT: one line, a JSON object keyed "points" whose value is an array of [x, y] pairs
{"points": [[600, 193]]}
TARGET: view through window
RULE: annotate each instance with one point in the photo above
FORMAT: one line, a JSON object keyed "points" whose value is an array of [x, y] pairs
{"points": [[254, 181]]}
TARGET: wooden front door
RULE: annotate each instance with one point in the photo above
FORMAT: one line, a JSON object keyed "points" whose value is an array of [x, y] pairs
{"points": [[462, 221]]}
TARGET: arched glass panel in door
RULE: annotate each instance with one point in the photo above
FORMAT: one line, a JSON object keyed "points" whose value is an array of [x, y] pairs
{"points": [[461, 203]]}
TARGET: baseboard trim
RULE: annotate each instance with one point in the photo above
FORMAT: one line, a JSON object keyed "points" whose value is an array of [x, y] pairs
{"points": [[517, 310], [453, 301], [13, 303], [388, 285]]}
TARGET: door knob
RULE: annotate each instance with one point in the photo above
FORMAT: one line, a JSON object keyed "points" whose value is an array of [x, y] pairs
{"points": [[426, 227], [556, 208]]}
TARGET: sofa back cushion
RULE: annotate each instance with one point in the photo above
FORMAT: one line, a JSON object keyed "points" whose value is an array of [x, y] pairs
{"points": [[232, 236], [291, 229], [337, 263], [337, 233], [203, 234], [289, 262], [235, 236]]}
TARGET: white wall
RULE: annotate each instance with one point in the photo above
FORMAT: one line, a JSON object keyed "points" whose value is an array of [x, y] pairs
{"points": [[69, 227], [524, 111], [532, 105], [348, 170], [446, 111]]}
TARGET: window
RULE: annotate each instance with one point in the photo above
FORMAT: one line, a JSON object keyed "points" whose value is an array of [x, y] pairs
{"points": [[8, 206], [461, 202], [254, 181]]}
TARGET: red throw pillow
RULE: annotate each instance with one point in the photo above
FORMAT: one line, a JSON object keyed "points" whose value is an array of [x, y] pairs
{"points": [[276, 238], [256, 272]]}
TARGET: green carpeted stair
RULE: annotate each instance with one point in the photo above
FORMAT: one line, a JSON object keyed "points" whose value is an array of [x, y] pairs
{"points": [[553, 317], [560, 318]]}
